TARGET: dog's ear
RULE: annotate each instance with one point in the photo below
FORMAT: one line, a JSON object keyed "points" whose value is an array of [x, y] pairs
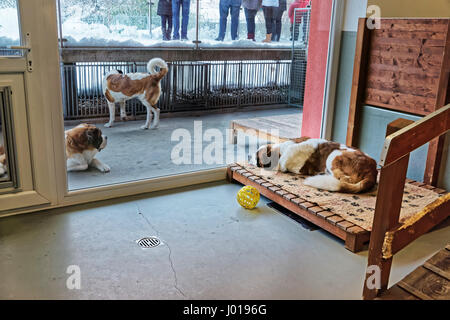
{"points": [[269, 150], [93, 136]]}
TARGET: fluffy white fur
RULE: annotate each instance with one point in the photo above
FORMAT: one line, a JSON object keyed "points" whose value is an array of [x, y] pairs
{"points": [[294, 155]]}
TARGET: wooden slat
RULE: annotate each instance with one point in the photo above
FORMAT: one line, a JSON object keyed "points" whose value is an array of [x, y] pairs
{"points": [[415, 135], [413, 25], [426, 285], [335, 219], [399, 101], [358, 81], [387, 212], [345, 224], [405, 235]]}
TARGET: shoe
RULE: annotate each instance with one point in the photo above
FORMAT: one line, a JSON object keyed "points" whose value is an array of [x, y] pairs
{"points": [[184, 39], [251, 36], [176, 37], [219, 39], [268, 38]]}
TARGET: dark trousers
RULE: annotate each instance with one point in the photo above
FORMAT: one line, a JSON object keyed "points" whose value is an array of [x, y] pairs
{"points": [[166, 26], [250, 17], [269, 18], [276, 28]]}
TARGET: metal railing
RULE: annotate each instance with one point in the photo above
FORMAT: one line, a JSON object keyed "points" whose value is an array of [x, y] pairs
{"points": [[188, 86]]}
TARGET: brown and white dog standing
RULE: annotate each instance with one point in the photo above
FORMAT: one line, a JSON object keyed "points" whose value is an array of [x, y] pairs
{"points": [[146, 87], [331, 165], [3, 168], [82, 144]]}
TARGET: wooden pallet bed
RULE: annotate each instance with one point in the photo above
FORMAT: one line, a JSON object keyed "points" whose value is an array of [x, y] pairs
{"points": [[330, 220]]}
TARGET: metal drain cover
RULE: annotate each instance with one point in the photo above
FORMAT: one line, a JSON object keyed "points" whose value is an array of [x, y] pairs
{"points": [[148, 242]]}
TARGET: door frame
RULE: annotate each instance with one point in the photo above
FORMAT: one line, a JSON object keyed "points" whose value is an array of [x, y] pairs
{"points": [[46, 124]]}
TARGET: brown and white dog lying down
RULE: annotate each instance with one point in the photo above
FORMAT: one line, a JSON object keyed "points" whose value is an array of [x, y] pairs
{"points": [[146, 87], [3, 168], [331, 165], [82, 144]]}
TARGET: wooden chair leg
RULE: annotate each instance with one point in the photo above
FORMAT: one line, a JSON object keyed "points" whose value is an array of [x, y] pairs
{"points": [[387, 212]]}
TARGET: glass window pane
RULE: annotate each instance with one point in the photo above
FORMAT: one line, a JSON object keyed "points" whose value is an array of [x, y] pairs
{"points": [[9, 28], [7, 164]]}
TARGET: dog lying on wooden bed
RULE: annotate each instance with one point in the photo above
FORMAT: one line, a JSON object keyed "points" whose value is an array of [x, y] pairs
{"points": [[331, 165]]}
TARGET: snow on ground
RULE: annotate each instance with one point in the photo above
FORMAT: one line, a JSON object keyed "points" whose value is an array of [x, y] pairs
{"points": [[75, 30], [9, 27]]}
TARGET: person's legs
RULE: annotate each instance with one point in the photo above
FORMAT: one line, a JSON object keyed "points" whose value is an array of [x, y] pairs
{"points": [[268, 17], [235, 10], [224, 7], [176, 19], [250, 17], [169, 26], [277, 30], [184, 24], [163, 27]]}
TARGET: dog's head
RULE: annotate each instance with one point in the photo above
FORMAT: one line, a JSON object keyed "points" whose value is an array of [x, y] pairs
{"points": [[85, 137], [267, 156]]}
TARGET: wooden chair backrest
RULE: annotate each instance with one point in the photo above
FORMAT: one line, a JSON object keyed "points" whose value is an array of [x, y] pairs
{"points": [[402, 66]]}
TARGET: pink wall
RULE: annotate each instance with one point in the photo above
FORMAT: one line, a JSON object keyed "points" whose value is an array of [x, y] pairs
{"points": [[316, 69]]}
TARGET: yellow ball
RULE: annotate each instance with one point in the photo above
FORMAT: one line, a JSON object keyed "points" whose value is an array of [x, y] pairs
{"points": [[248, 197]]}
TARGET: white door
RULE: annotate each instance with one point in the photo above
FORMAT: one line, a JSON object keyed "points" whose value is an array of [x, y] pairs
{"points": [[26, 150]]}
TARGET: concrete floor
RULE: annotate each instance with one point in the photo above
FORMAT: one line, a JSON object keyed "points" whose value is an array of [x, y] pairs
{"points": [[212, 249], [135, 154]]}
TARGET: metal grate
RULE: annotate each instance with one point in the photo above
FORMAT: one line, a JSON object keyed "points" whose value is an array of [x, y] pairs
{"points": [[189, 85], [148, 242], [300, 37]]}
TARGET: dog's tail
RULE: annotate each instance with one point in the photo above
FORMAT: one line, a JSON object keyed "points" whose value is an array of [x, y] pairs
{"points": [[157, 62], [330, 183]]}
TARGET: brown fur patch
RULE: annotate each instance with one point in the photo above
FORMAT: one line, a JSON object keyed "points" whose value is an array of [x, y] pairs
{"points": [[77, 139], [317, 162], [356, 171], [149, 84], [108, 96]]}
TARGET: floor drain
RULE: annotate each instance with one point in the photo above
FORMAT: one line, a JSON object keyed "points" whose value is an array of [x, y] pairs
{"points": [[148, 242]]}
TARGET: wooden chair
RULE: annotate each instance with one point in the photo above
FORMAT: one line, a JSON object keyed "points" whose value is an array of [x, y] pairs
{"points": [[388, 236]]}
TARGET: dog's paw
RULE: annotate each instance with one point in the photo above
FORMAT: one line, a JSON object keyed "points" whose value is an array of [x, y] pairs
{"points": [[144, 127], [104, 168], [108, 125]]}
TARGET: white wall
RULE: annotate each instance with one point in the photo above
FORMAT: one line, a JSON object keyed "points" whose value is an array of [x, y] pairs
{"points": [[354, 9]]}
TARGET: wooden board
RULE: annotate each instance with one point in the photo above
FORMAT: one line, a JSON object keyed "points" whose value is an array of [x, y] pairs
{"points": [[431, 281], [407, 63], [403, 66], [353, 235], [274, 128]]}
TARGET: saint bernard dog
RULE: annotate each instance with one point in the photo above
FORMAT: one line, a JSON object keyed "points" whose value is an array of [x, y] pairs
{"points": [[82, 144], [3, 168], [119, 87], [331, 165]]}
